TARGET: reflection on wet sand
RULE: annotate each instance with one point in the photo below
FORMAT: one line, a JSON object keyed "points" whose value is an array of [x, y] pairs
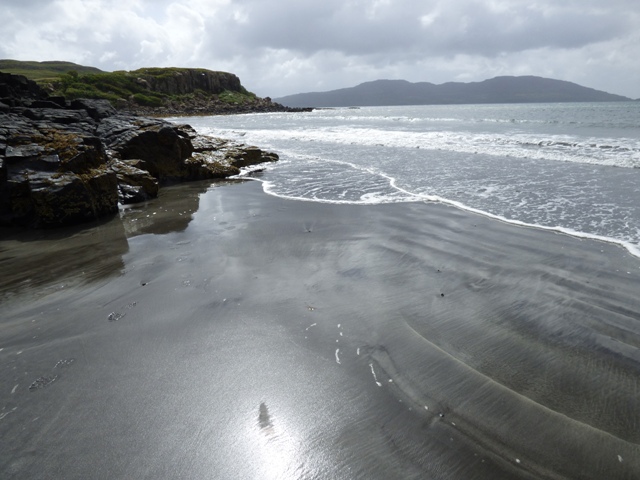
{"points": [[51, 260], [171, 212], [42, 262]]}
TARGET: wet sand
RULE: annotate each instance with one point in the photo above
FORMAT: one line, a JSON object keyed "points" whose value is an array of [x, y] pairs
{"points": [[223, 333]]}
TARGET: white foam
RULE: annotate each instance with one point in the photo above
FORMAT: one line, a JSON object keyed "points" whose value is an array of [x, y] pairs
{"points": [[619, 152], [375, 378]]}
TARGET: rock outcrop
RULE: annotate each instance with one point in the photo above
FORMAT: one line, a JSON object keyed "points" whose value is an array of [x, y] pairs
{"points": [[64, 163], [196, 91], [200, 105]]}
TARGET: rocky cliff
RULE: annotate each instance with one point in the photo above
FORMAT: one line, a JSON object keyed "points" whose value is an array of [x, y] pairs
{"points": [[196, 91], [65, 162], [173, 81]]}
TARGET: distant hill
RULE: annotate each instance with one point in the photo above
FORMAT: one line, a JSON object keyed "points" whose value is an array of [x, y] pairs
{"points": [[40, 71], [525, 89]]}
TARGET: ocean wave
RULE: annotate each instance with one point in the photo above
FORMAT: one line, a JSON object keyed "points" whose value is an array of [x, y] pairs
{"points": [[622, 152]]}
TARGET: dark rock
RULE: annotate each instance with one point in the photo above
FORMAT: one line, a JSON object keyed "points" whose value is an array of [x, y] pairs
{"points": [[128, 194], [247, 156], [59, 101], [64, 163], [19, 88], [96, 109], [29, 151], [45, 104], [56, 115], [86, 153], [117, 130], [160, 147], [134, 184], [66, 198]]}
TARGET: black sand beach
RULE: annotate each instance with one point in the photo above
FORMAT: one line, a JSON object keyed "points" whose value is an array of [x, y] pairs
{"points": [[219, 332]]}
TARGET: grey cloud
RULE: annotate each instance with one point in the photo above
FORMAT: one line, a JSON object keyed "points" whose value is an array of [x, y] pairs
{"points": [[463, 27], [491, 33]]}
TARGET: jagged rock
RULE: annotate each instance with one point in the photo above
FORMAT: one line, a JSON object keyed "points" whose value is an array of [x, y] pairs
{"points": [[134, 184], [160, 146], [66, 198], [18, 89], [64, 163], [120, 128], [56, 115], [247, 156], [97, 109]]}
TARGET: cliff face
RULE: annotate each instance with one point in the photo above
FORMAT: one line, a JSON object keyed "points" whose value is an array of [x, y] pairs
{"points": [[196, 91], [183, 81]]}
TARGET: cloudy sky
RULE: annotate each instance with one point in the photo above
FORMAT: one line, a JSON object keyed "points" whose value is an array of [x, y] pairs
{"points": [[281, 47]]}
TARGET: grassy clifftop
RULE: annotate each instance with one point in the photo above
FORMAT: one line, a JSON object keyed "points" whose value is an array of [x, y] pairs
{"points": [[145, 87]]}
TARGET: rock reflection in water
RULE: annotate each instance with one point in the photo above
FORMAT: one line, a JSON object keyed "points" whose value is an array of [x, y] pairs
{"points": [[171, 212], [49, 260], [45, 261]]}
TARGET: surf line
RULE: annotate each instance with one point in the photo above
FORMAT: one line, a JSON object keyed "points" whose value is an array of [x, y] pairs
{"points": [[373, 372]]}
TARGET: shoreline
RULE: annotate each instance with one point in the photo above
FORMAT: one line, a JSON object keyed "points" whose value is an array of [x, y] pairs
{"points": [[631, 248], [336, 341]]}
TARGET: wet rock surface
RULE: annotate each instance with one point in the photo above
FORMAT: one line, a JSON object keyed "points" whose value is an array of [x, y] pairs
{"points": [[63, 163]]}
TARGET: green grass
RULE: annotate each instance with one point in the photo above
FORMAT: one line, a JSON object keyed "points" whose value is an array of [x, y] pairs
{"points": [[40, 71], [237, 98], [164, 71], [147, 100], [107, 85]]}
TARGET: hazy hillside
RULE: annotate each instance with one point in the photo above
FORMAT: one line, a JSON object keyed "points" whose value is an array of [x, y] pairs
{"points": [[526, 89], [39, 71]]}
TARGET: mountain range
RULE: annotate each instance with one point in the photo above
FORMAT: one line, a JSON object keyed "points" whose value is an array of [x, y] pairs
{"points": [[506, 89]]}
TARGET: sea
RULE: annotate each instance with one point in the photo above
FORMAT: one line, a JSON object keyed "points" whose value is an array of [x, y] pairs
{"points": [[569, 167]]}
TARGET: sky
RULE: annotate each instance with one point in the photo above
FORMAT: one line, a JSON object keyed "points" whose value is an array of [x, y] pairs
{"points": [[282, 47]]}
